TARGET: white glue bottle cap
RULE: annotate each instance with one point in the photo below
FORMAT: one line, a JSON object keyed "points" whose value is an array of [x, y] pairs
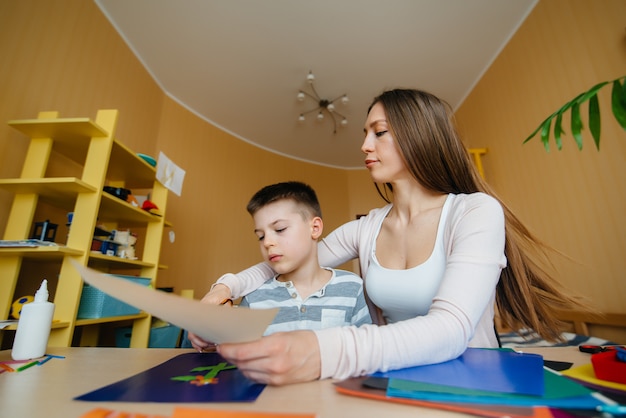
{"points": [[41, 295], [33, 327]]}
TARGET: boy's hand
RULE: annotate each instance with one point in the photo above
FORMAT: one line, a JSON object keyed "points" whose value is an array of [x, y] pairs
{"points": [[216, 296]]}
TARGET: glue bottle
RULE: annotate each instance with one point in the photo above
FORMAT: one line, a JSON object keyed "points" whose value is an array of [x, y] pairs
{"points": [[33, 327]]}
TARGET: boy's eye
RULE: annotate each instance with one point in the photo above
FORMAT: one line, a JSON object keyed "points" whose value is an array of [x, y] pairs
{"points": [[381, 133], [261, 237], [279, 230]]}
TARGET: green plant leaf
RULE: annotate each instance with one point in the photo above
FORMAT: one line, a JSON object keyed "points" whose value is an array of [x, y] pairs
{"points": [[591, 92], [618, 102], [558, 125], [562, 110], [594, 119], [558, 130], [618, 105], [538, 128], [577, 125], [545, 133], [578, 99]]}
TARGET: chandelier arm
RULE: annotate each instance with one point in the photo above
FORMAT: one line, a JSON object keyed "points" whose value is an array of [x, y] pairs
{"points": [[337, 98], [317, 96], [312, 110], [310, 95], [339, 114], [334, 121]]}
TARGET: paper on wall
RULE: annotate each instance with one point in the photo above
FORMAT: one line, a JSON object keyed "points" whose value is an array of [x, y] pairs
{"points": [[217, 324], [169, 174]]}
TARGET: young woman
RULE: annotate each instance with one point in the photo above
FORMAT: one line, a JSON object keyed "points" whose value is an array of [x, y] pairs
{"points": [[436, 260]]}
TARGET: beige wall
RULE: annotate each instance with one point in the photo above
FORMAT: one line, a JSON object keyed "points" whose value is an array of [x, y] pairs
{"points": [[65, 56], [575, 200], [214, 233]]}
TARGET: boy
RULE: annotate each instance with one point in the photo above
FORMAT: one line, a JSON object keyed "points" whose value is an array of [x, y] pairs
{"points": [[288, 222]]}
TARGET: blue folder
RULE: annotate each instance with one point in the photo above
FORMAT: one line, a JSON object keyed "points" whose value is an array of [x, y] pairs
{"points": [[561, 392], [481, 369]]}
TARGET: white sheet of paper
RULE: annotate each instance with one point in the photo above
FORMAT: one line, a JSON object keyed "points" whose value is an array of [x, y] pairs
{"points": [[7, 322], [217, 324], [169, 174]]}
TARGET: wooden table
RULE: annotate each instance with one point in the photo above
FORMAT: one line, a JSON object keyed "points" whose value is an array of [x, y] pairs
{"points": [[48, 390]]}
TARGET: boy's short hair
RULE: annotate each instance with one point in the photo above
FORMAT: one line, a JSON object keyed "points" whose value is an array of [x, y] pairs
{"points": [[300, 193]]}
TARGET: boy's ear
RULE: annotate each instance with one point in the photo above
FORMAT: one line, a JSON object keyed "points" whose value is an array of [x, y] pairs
{"points": [[317, 226]]}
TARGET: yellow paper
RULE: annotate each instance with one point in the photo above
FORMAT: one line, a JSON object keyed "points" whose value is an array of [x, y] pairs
{"points": [[217, 324], [586, 373]]}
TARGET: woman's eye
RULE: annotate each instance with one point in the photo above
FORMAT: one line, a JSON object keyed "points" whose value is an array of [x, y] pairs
{"points": [[381, 133]]}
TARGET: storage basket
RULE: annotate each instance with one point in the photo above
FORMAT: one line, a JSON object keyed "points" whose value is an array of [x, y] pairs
{"points": [[167, 336], [97, 304]]}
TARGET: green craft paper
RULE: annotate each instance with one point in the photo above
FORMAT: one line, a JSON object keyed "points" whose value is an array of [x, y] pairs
{"points": [[555, 387]]}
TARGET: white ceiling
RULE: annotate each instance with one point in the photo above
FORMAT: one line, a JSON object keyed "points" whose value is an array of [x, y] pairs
{"points": [[239, 64]]}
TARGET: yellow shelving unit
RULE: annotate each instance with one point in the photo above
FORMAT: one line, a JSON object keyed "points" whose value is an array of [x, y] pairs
{"points": [[105, 162], [476, 154]]}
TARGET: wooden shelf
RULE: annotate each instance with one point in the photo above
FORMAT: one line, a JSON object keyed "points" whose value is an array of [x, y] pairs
{"points": [[71, 136], [105, 162], [108, 319], [97, 259], [57, 191], [55, 325], [476, 154], [40, 253], [113, 208], [61, 129], [130, 169]]}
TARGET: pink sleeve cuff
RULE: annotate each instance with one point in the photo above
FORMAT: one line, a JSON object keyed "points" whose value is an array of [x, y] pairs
{"points": [[329, 344]]}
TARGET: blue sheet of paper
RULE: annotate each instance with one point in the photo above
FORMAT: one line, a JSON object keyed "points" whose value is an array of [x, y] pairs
{"points": [[560, 392], [188, 377], [481, 369]]}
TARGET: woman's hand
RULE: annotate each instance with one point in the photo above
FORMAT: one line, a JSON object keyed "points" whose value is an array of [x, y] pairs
{"points": [[278, 359], [217, 295]]}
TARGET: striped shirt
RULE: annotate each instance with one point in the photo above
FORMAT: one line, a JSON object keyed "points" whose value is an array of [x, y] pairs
{"points": [[340, 302]]}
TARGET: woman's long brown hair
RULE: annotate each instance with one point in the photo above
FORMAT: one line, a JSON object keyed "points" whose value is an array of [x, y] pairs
{"points": [[527, 295]]}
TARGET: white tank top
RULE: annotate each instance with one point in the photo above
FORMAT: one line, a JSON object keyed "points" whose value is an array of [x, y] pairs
{"points": [[405, 294]]}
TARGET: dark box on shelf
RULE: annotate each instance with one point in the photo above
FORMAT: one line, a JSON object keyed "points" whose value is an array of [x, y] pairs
{"points": [[97, 304], [160, 337]]}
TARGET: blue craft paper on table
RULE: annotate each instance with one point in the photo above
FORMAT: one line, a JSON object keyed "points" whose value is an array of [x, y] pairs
{"points": [[561, 392], [481, 369], [156, 384]]}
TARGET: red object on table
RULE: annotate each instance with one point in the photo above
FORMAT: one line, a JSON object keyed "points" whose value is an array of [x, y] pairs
{"points": [[607, 367]]}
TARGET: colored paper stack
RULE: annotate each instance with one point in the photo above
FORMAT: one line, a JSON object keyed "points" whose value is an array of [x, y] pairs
{"points": [[484, 382]]}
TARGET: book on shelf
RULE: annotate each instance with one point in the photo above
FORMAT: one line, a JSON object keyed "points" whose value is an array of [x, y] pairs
{"points": [[26, 243]]}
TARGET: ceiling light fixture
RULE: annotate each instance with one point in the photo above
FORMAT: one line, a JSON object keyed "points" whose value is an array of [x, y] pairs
{"points": [[323, 105]]}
